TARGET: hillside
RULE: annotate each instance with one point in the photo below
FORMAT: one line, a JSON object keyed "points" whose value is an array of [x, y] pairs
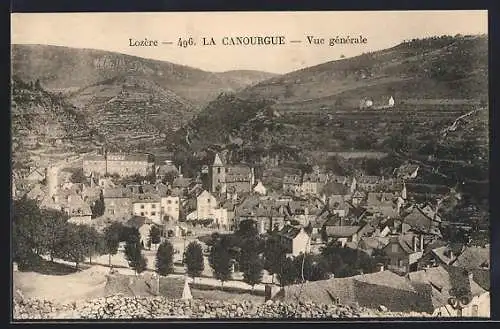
{"points": [[316, 111], [132, 101], [69, 69], [44, 122]]}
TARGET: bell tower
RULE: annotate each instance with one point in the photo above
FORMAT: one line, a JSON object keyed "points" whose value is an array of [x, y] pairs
{"points": [[218, 175]]}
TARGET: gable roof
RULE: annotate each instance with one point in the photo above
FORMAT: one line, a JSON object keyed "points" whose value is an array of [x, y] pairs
{"points": [[117, 192], [473, 258], [333, 188], [289, 231]]}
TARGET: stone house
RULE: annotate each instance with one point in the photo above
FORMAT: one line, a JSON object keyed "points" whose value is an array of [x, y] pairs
{"points": [[294, 239], [117, 203], [404, 251], [170, 207], [148, 206]]}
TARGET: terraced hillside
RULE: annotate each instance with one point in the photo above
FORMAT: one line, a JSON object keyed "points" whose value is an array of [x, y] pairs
{"points": [[42, 121]]}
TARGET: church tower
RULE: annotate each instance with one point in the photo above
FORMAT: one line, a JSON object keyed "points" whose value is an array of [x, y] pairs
{"points": [[218, 175]]}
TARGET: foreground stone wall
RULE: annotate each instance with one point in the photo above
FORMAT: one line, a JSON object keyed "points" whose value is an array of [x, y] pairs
{"points": [[124, 307]]}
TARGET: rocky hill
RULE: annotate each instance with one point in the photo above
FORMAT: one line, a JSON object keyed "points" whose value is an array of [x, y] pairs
{"points": [[42, 121], [132, 101]]}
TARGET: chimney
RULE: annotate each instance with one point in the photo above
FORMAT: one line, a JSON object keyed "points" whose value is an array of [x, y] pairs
{"points": [[415, 243], [421, 242]]}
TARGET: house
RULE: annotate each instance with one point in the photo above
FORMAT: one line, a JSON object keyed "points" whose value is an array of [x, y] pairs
{"points": [[313, 183], [206, 203], [368, 183], [390, 103], [386, 288], [117, 203], [35, 175], [182, 184], [294, 239], [292, 184], [422, 219], [442, 255], [403, 252], [473, 257], [370, 244], [407, 171], [165, 169], [170, 207], [382, 203], [338, 206], [260, 188], [341, 234], [121, 164], [143, 225], [444, 282], [148, 206], [358, 198]]}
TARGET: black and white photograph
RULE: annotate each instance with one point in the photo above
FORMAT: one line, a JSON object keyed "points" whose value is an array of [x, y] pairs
{"points": [[314, 165]]}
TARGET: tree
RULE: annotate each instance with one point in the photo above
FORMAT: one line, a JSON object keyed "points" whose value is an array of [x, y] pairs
{"points": [[314, 268], [52, 230], [155, 235], [26, 243], [220, 261], [98, 207], [133, 252], [165, 258], [252, 274], [112, 238], [194, 259], [287, 273], [73, 247], [274, 254], [249, 248], [93, 241], [247, 228]]}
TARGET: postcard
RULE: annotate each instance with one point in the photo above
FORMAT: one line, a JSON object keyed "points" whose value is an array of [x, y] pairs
{"points": [[250, 165]]}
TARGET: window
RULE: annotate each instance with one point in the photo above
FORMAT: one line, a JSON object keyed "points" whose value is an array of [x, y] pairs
{"points": [[227, 169], [208, 200], [218, 170], [142, 213], [395, 248], [153, 213], [153, 206], [176, 202], [142, 206], [169, 201]]}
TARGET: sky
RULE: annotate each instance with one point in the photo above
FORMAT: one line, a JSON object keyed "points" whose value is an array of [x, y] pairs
{"points": [[112, 31]]}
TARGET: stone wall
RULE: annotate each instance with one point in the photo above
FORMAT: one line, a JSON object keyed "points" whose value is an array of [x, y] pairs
{"points": [[125, 307]]}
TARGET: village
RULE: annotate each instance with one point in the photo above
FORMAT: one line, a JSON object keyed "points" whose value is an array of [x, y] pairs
{"points": [[398, 242]]}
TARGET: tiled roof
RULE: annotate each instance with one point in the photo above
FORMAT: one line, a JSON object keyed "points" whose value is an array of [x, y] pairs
{"points": [[118, 192], [445, 282], [181, 182], [368, 290], [341, 231], [289, 231], [473, 258]]}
